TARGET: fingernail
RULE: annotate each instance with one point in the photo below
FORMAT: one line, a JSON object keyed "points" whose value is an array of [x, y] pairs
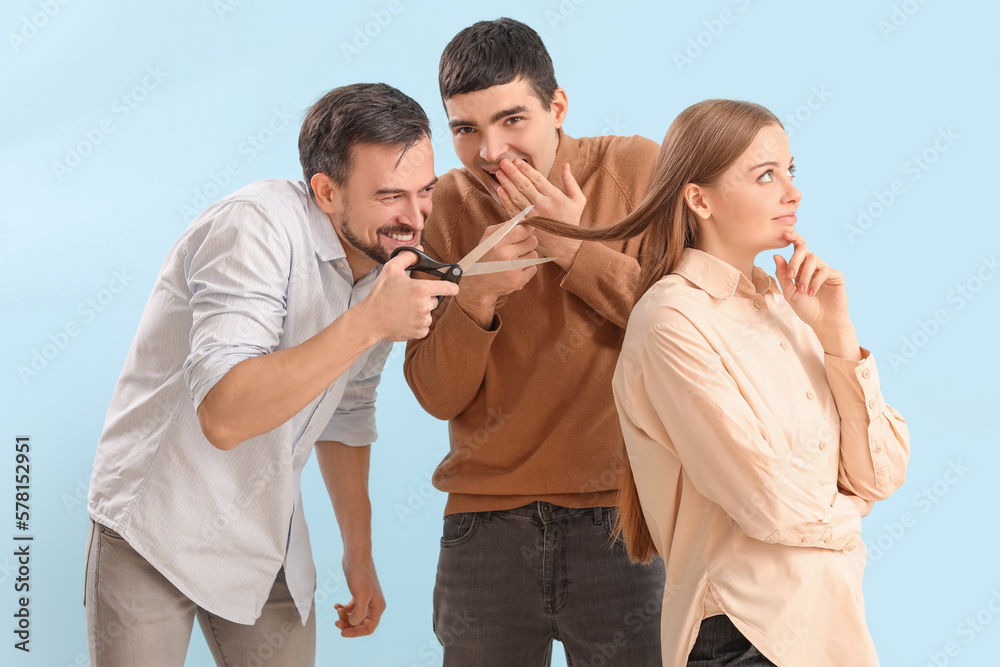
{"points": [[791, 273]]}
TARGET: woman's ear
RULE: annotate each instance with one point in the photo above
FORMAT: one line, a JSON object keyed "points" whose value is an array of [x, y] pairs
{"points": [[695, 197]]}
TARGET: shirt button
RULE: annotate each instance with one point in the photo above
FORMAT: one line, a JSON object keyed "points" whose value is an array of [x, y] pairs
{"points": [[309, 429], [784, 345], [878, 448], [866, 374], [810, 395], [822, 445], [340, 264], [822, 543], [758, 304], [873, 404]]}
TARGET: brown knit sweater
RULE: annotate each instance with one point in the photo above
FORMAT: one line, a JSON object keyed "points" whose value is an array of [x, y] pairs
{"points": [[529, 404]]}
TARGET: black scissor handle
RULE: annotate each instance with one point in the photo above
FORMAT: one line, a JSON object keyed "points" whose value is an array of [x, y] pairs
{"points": [[432, 267]]}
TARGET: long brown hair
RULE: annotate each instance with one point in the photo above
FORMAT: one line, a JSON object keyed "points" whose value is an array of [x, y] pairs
{"points": [[702, 142]]}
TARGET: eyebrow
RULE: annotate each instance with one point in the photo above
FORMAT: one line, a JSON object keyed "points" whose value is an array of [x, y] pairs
{"points": [[499, 115], [772, 163], [401, 191]]}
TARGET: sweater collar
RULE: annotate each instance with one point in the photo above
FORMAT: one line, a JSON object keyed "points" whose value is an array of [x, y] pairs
{"points": [[568, 150]]}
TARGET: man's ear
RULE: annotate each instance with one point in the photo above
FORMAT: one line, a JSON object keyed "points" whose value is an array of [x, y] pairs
{"points": [[329, 195], [694, 196], [559, 105]]}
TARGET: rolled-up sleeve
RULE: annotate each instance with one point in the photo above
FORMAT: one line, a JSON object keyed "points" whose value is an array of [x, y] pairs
{"points": [[353, 423], [727, 452], [874, 440], [237, 268]]}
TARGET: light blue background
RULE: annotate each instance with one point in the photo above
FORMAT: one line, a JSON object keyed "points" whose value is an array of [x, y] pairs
{"points": [[223, 75]]}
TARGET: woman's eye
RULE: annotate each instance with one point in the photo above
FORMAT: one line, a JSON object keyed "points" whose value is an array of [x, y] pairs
{"points": [[765, 177], [791, 171]]}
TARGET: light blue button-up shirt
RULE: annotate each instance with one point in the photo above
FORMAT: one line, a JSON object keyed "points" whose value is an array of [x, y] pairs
{"points": [[262, 270]]}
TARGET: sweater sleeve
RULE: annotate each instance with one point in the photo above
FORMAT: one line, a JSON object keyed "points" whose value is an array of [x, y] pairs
{"points": [[605, 279], [446, 368]]}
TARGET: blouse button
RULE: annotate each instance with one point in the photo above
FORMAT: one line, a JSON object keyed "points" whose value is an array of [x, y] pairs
{"points": [[810, 395], [822, 445], [866, 374], [784, 345], [873, 404], [878, 448]]}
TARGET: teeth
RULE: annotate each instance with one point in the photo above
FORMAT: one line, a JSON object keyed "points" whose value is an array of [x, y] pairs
{"points": [[401, 237]]}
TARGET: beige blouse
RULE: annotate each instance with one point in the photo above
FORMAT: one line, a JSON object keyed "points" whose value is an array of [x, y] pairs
{"points": [[744, 438]]}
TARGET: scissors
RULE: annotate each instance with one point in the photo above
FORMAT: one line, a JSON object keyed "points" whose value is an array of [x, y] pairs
{"points": [[467, 266]]}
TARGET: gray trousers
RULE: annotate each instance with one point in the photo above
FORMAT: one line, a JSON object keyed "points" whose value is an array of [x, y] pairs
{"points": [[720, 644], [510, 582], [136, 617]]}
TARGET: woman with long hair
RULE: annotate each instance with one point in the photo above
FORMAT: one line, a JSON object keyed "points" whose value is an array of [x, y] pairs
{"points": [[755, 429]]}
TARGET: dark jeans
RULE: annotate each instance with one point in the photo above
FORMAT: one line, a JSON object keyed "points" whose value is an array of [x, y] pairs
{"points": [[511, 581], [720, 644]]}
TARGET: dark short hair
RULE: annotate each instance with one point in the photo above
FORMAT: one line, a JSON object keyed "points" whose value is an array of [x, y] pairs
{"points": [[492, 53], [361, 113]]}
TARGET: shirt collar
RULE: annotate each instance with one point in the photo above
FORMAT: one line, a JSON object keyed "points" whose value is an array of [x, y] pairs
{"points": [[328, 245], [720, 279]]}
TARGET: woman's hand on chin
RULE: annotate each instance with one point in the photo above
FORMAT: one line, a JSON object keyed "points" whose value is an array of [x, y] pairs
{"points": [[818, 295]]}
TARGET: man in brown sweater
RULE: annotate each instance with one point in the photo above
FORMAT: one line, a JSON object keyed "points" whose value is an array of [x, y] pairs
{"points": [[520, 364]]}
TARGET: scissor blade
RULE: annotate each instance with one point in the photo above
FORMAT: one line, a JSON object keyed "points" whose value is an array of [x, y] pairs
{"points": [[491, 241], [494, 267]]}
